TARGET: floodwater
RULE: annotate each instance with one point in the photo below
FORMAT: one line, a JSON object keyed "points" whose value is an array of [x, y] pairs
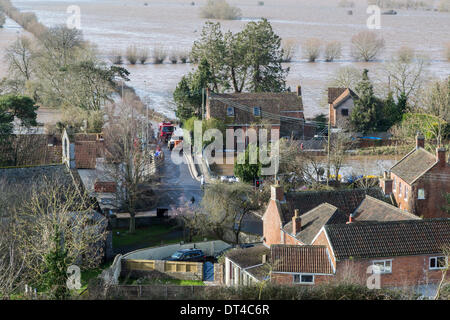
{"points": [[176, 24]]}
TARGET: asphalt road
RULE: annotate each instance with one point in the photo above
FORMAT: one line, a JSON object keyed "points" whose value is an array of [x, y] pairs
{"points": [[177, 185]]}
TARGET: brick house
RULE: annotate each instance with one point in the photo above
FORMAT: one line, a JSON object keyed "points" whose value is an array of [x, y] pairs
{"points": [[282, 111], [406, 253], [419, 181], [295, 218], [340, 103]]}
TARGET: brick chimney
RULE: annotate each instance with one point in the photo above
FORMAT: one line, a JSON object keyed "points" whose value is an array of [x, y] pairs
{"points": [[296, 222], [386, 183], [441, 157], [299, 91], [350, 219], [277, 192], [420, 140]]}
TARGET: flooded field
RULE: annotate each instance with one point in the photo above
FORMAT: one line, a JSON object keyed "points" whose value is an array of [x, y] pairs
{"points": [[176, 24]]}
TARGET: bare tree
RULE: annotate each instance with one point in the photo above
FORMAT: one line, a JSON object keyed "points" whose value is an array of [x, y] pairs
{"points": [[311, 49], [340, 143], [128, 157], [143, 55], [132, 54], [366, 45], [20, 58], [346, 77], [289, 48], [116, 57], [332, 51], [226, 206]]}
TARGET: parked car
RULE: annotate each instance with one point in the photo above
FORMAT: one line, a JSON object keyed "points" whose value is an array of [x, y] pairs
{"points": [[230, 179], [189, 255]]}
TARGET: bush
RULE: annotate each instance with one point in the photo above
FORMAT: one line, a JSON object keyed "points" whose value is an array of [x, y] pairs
{"points": [[332, 51], [2, 19], [116, 57], [366, 45], [311, 49], [132, 54], [289, 48], [143, 56], [159, 55], [220, 9]]}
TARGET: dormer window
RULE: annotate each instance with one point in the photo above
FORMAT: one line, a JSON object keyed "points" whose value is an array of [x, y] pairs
{"points": [[230, 111], [257, 111]]}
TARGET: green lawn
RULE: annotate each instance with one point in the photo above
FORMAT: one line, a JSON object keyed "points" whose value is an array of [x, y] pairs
{"points": [[150, 236]]}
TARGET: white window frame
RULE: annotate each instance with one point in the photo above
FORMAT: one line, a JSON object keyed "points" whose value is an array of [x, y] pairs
{"points": [[230, 114], [395, 184], [300, 278], [374, 267], [406, 192], [259, 111], [437, 268], [399, 189], [418, 194]]}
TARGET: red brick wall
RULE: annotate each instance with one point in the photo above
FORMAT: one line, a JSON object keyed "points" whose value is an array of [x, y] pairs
{"points": [[105, 187], [401, 202], [321, 240], [406, 271], [435, 189], [272, 224]]}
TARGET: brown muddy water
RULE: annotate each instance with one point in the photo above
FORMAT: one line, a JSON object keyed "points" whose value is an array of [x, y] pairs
{"points": [[176, 24]]}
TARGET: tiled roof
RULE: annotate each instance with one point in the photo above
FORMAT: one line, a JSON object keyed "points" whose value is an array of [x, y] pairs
{"points": [[372, 209], [284, 104], [248, 257], [314, 220], [346, 200], [348, 93], [388, 239], [300, 259], [334, 93], [413, 165]]}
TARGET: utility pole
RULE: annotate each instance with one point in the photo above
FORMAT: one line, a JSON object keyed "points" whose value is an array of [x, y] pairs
{"points": [[203, 103]]}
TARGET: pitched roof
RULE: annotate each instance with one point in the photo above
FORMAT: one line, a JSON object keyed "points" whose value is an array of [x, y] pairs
{"points": [[346, 200], [314, 220], [388, 239], [248, 257], [345, 95], [301, 259], [278, 104], [414, 165], [334, 93], [372, 209]]}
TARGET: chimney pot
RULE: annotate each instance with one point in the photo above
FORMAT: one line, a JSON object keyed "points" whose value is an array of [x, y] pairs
{"points": [[299, 91], [350, 219]]}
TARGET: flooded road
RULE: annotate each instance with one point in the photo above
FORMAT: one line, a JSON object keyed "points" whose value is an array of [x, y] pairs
{"points": [[176, 24]]}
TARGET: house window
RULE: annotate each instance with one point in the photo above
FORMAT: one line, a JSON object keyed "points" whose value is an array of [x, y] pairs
{"points": [[437, 263], [421, 194], [395, 184], [382, 266], [257, 111], [230, 111], [344, 112], [399, 188], [406, 193], [304, 278]]}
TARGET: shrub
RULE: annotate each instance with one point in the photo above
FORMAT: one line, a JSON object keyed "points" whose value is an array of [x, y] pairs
{"points": [[173, 57], [220, 9], [2, 19], [159, 55], [366, 45], [332, 51], [311, 49], [289, 49], [132, 54], [405, 54], [143, 55], [116, 57]]}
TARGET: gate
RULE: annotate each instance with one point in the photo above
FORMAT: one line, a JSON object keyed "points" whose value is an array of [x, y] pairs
{"points": [[208, 271]]}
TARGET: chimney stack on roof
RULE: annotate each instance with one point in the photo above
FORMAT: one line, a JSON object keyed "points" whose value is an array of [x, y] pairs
{"points": [[277, 192], [441, 157], [350, 219], [296, 222], [299, 90], [386, 183], [420, 140]]}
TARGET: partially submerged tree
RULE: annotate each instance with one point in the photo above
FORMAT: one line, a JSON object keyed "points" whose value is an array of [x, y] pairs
{"points": [[220, 9], [332, 51], [366, 45], [311, 49]]}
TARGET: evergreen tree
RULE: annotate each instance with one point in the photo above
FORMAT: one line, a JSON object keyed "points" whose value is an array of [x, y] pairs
{"points": [[18, 106], [367, 115], [56, 263], [248, 172]]}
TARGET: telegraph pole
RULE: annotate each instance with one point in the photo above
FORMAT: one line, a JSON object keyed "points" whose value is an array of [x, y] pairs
{"points": [[328, 151]]}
